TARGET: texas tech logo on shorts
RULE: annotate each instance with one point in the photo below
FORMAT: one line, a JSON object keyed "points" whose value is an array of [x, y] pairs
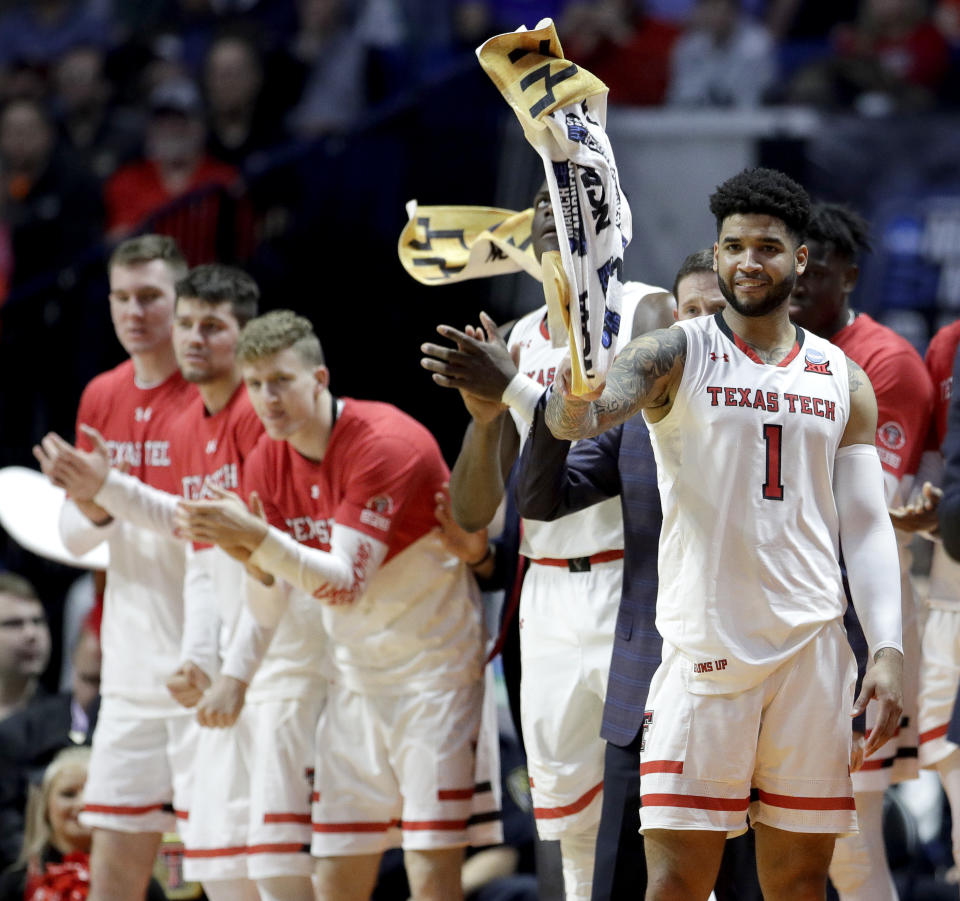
{"points": [[647, 723], [816, 361]]}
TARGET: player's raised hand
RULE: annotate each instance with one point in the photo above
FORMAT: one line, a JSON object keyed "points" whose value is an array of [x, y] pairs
{"points": [[80, 473], [479, 363], [884, 683], [920, 515], [188, 684], [222, 703]]}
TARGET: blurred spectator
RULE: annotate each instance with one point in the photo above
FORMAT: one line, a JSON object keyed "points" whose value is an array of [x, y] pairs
{"points": [[100, 135], [175, 164], [54, 212], [946, 16], [625, 48], [723, 59], [24, 643], [54, 863], [477, 20], [31, 738], [901, 37], [239, 121], [329, 44], [39, 31]]}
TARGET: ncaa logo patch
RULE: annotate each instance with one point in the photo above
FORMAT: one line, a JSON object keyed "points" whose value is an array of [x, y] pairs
{"points": [[816, 361], [891, 435]]}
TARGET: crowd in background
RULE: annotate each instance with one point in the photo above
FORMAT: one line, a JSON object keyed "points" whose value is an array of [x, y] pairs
{"points": [[274, 134]]}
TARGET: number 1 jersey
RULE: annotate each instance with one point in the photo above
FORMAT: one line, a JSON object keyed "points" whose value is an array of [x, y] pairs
{"points": [[749, 551]]}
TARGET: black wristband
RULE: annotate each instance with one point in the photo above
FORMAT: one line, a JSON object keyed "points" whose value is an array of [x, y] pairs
{"points": [[484, 558]]}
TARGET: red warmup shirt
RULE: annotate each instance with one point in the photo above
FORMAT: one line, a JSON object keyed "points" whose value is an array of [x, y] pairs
{"points": [[903, 389], [939, 359], [137, 423], [379, 474]]}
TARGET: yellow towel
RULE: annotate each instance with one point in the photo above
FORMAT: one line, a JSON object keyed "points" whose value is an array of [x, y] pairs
{"points": [[440, 245]]}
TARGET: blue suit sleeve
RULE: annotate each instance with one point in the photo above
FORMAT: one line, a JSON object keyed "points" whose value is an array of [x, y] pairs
{"points": [[554, 479], [949, 509]]}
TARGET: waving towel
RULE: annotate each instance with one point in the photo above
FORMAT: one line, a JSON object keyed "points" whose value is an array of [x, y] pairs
{"points": [[445, 244], [562, 109]]}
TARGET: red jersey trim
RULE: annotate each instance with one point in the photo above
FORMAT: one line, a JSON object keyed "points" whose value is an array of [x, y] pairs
{"points": [[268, 848], [936, 732], [286, 818], [122, 809], [791, 802]]}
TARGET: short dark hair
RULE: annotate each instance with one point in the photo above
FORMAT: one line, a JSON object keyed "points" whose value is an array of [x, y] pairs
{"points": [[845, 231], [698, 261], [275, 332], [765, 192], [17, 586], [145, 249], [215, 283]]}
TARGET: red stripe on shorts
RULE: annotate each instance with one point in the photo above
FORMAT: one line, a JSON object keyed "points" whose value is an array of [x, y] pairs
{"points": [[129, 811], [272, 848], [699, 802], [286, 818], [355, 827], [553, 813], [315, 797], [181, 814], [455, 794], [795, 803], [936, 732], [434, 825], [661, 766]]}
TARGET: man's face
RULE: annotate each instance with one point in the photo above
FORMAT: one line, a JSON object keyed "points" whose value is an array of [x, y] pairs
{"points": [[698, 294], [820, 293], [205, 339], [25, 137], [141, 305], [284, 391], [24, 637], [543, 230], [757, 263], [86, 669]]}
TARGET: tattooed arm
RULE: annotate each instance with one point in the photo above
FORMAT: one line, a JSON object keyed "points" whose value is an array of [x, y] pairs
{"points": [[862, 424], [645, 375]]}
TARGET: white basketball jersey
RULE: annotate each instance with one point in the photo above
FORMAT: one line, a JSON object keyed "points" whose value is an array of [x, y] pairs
{"points": [[749, 551], [600, 527]]}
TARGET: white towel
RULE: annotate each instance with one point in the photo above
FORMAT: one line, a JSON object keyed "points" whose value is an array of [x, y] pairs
{"points": [[562, 109]]}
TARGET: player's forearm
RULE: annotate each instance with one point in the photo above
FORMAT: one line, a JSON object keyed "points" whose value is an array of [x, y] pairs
{"points": [[476, 480], [266, 603], [869, 545], [79, 533], [247, 647], [200, 643], [129, 499], [338, 576], [569, 418]]}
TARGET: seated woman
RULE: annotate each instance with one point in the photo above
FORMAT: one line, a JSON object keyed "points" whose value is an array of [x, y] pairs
{"points": [[54, 862]]}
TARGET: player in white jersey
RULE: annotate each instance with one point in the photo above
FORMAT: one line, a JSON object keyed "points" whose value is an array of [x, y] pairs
{"points": [[144, 741], [764, 437], [571, 592]]}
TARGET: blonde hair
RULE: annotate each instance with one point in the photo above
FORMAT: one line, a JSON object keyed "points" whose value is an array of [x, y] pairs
{"points": [[37, 832], [275, 332]]}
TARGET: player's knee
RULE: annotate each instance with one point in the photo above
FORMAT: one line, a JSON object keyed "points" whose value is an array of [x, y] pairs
{"points": [[121, 864], [676, 884], [799, 881], [435, 875]]}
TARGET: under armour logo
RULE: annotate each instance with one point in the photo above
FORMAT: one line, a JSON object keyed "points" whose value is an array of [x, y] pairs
{"points": [[143, 414], [212, 446], [314, 491], [713, 356], [647, 723]]}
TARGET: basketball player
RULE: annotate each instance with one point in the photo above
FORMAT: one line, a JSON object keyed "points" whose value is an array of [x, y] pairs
{"points": [[940, 655], [820, 303], [570, 594], [144, 741], [347, 488], [552, 483], [249, 830], [764, 436]]}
